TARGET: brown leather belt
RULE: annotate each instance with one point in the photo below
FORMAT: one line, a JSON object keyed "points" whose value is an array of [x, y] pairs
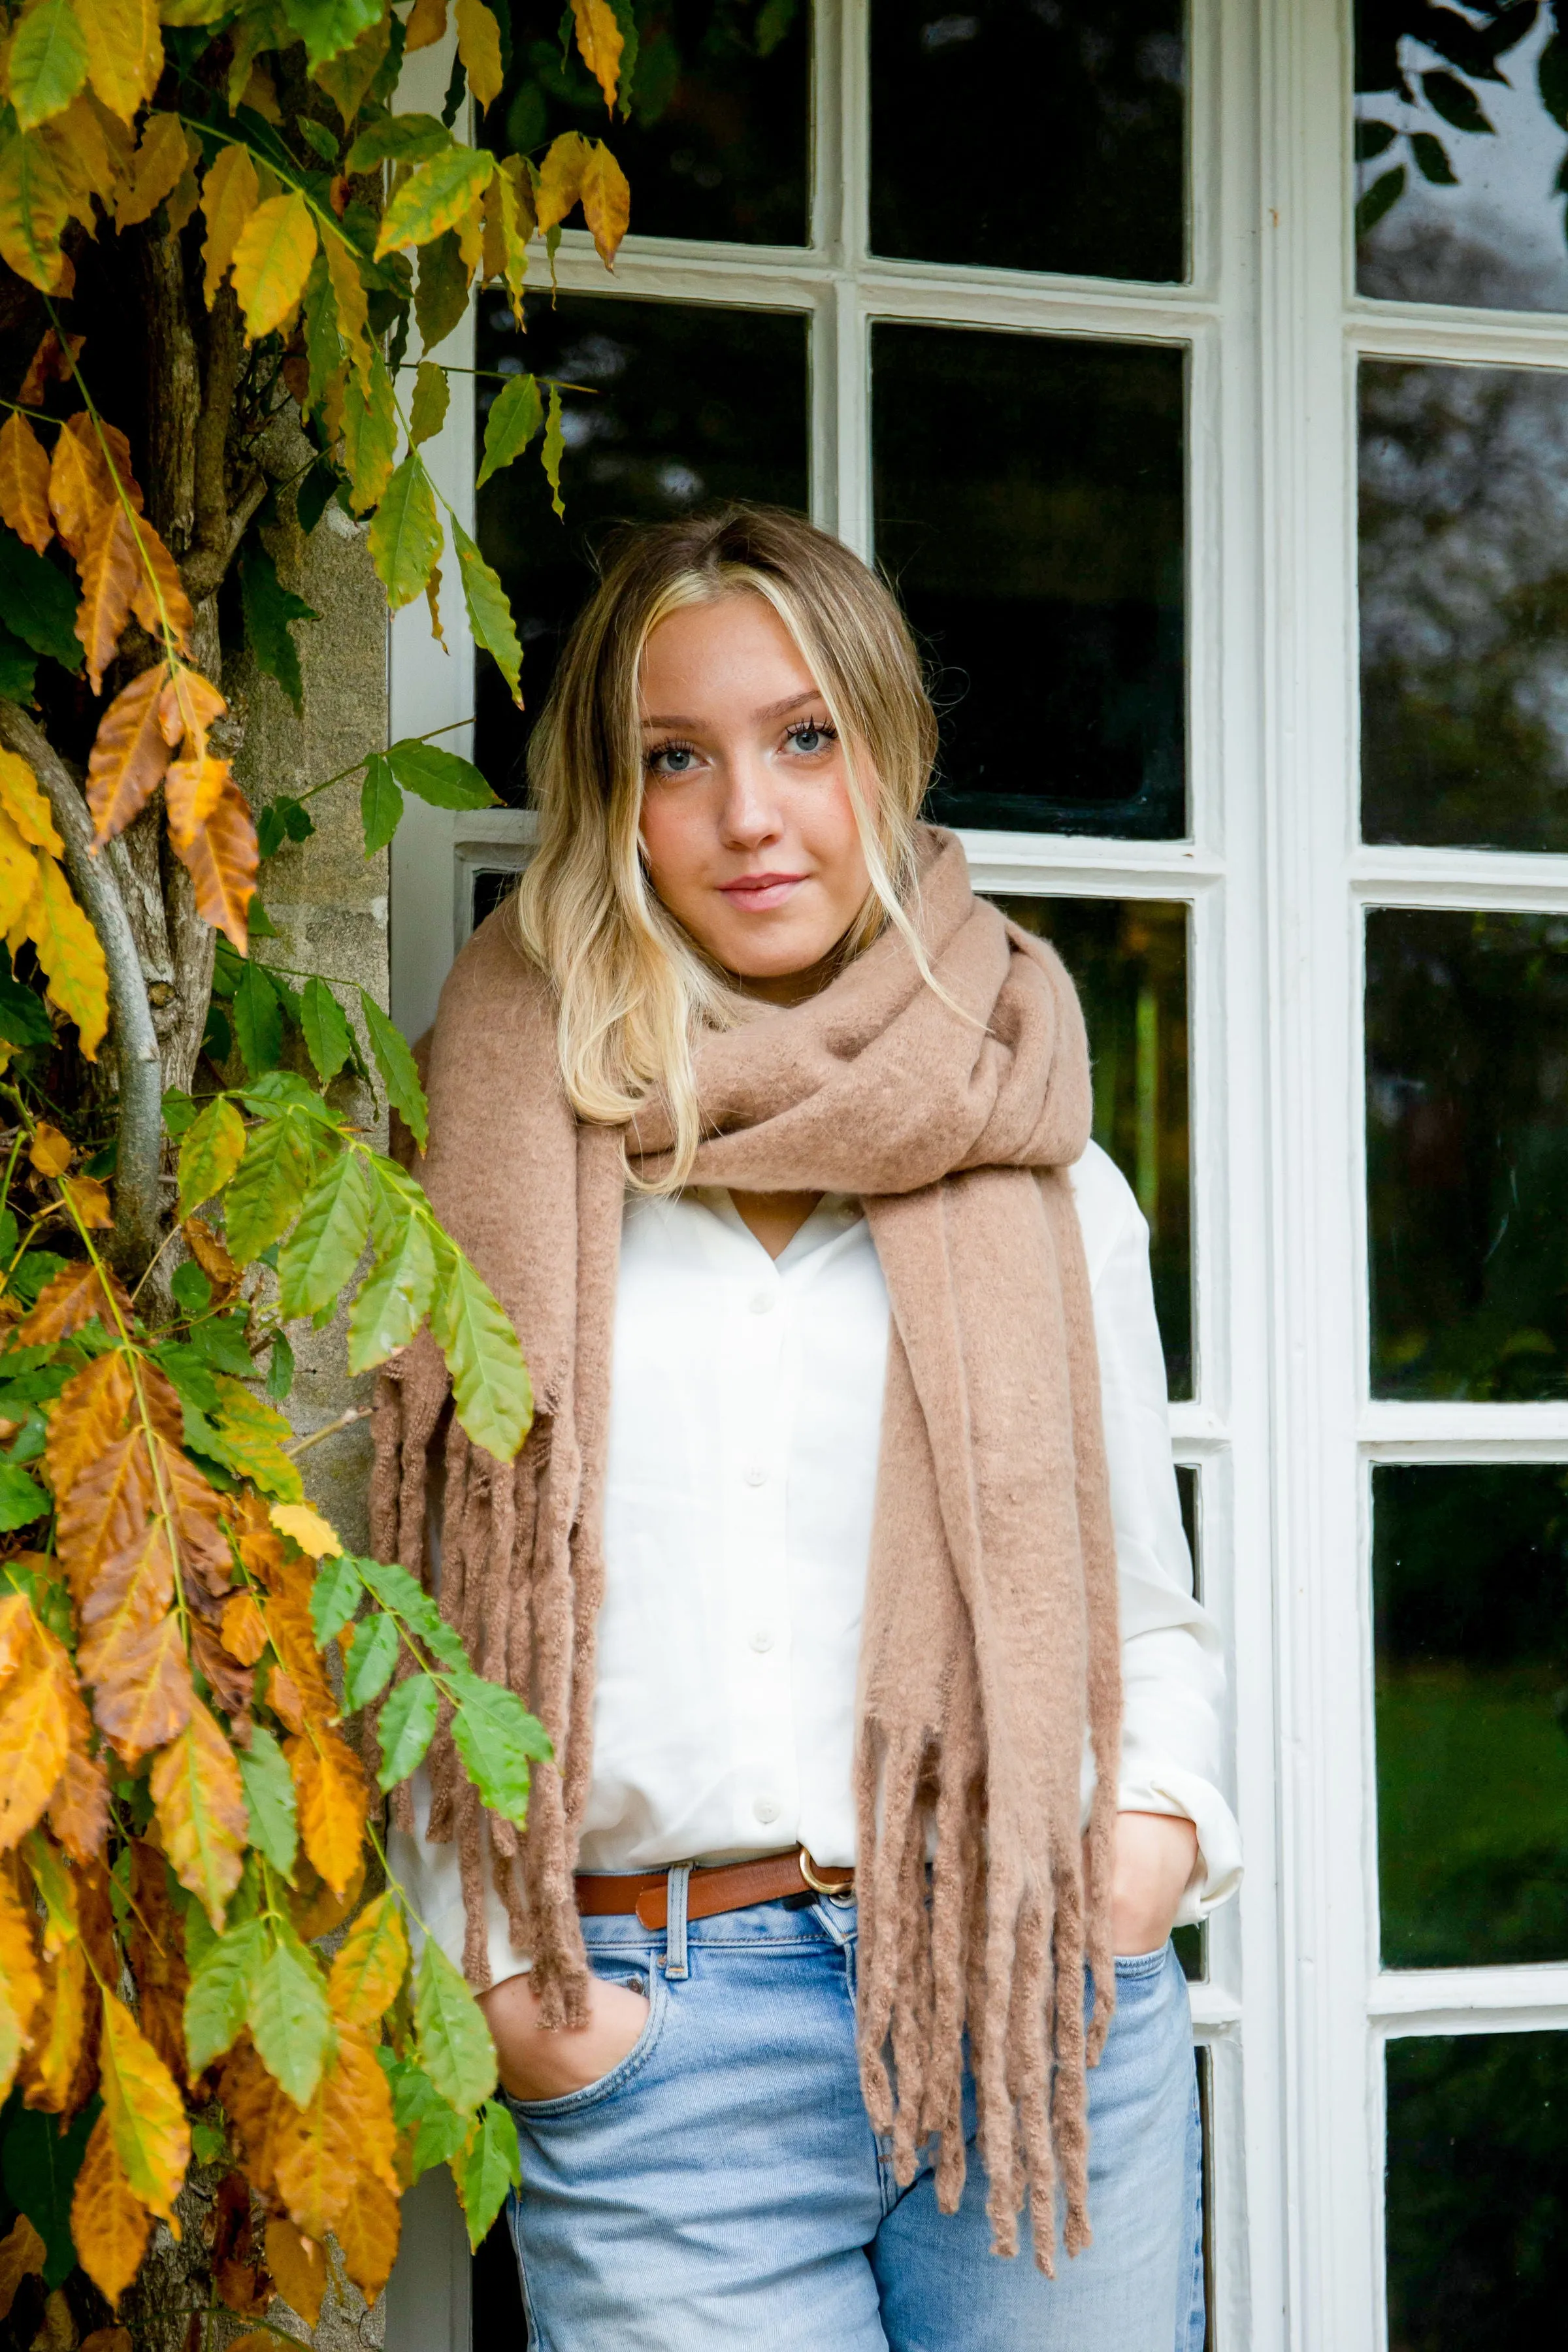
{"points": [[728, 1887]]}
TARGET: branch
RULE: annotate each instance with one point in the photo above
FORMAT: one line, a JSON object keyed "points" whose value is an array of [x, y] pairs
{"points": [[204, 568], [136, 1043]]}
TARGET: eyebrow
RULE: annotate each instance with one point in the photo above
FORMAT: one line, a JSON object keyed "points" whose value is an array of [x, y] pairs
{"points": [[774, 710]]}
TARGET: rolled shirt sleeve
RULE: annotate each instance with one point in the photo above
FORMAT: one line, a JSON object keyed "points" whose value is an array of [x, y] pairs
{"points": [[1173, 1663]]}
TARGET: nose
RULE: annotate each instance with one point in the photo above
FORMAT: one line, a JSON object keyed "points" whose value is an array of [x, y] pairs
{"points": [[749, 816]]}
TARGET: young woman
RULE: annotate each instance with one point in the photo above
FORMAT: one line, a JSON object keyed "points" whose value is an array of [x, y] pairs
{"points": [[843, 1563]]}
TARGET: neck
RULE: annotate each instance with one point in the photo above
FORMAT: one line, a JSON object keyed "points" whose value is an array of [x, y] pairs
{"points": [[791, 987]]}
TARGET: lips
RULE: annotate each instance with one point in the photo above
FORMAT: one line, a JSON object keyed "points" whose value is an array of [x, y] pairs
{"points": [[759, 892]]}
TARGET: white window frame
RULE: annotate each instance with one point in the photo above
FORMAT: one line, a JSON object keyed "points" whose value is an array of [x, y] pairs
{"points": [[1282, 1428]]}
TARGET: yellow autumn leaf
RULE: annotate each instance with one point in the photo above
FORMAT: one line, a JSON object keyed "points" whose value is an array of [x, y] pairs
{"points": [[307, 1528], [27, 805], [230, 194], [329, 1784], [560, 178], [199, 1798], [50, 1152], [272, 259], [110, 2227], [72, 957], [18, 876], [299, 2267], [606, 202], [437, 195], [353, 304], [125, 53], [162, 162], [36, 202], [599, 43], [146, 2114], [25, 484], [35, 1735], [426, 23], [479, 46], [370, 1963]]}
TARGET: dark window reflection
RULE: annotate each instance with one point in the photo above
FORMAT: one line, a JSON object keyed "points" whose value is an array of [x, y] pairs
{"points": [[1470, 1591], [1094, 186], [1464, 604], [1466, 1018], [683, 408], [1030, 508], [1192, 1943], [1458, 153], [1478, 2190], [1128, 960], [717, 141]]}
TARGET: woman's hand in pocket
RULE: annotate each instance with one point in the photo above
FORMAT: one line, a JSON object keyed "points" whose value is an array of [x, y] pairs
{"points": [[1154, 1858], [539, 2064]]}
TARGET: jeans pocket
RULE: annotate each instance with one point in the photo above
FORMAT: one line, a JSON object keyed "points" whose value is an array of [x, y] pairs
{"points": [[646, 1980]]}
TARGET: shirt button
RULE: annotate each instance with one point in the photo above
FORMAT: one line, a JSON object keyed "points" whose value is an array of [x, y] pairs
{"points": [[761, 1302], [762, 1639], [766, 1810], [756, 1476]]}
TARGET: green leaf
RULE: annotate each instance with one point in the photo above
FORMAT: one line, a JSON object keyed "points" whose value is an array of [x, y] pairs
{"points": [[488, 2166], [328, 28], [405, 1727], [18, 667], [514, 419], [396, 1590], [397, 139], [290, 2023], [283, 819], [334, 1596], [317, 135], [22, 1499], [23, 1017], [273, 1178], [1432, 159], [269, 1795], [490, 614], [441, 294], [328, 1039], [370, 435], [208, 2144], [454, 2046], [418, 2107], [393, 1301], [1551, 77], [222, 1344], [439, 777], [38, 602], [1372, 139], [326, 356], [48, 64], [258, 1021], [270, 611], [380, 803], [1383, 192], [399, 1072], [216, 2003], [213, 1147], [315, 493], [190, 1289], [371, 1660], [499, 1742], [427, 411], [279, 1369], [1455, 101], [491, 1387], [550, 455], [324, 1247], [287, 1091], [406, 534], [40, 2163]]}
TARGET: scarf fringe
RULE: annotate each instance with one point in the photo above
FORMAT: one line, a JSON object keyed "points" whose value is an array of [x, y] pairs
{"points": [[949, 1949]]}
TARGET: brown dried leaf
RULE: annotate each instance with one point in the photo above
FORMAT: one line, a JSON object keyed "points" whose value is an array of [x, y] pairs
{"points": [[77, 1294], [22, 2255], [244, 1629], [327, 2153], [317, 1910], [143, 1694], [25, 483], [256, 2107], [110, 2227], [114, 1558], [222, 858], [155, 1948], [110, 574], [159, 600], [233, 1686], [108, 2339], [129, 754], [238, 2272], [193, 790], [50, 363], [79, 1809], [187, 710], [299, 2267]]}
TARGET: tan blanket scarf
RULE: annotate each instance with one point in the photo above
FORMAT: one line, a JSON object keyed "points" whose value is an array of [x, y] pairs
{"points": [[990, 1629]]}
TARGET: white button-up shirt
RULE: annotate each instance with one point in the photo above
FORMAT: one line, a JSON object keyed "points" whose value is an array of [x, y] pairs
{"points": [[745, 1423]]}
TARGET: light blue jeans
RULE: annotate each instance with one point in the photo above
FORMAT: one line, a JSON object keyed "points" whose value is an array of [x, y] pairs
{"points": [[723, 2188]]}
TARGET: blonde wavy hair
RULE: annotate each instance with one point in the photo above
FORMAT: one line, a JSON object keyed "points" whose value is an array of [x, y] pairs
{"points": [[633, 988]]}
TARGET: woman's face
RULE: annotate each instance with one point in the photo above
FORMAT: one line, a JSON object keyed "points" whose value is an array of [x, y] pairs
{"points": [[747, 826]]}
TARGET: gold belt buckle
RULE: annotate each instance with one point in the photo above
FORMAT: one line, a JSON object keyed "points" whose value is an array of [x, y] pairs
{"points": [[807, 1869]]}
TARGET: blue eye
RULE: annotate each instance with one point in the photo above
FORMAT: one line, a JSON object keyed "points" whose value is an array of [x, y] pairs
{"points": [[809, 738], [671, 759]]}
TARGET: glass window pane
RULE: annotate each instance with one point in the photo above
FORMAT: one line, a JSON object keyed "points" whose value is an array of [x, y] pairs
{"points": [[1467, 1020], [1030, 505], [1478, 2190], [718, 141], [682, 407], [1470, 1598], [1457, 155], [1464, 604], [1096, 186], [1128, 958]]}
